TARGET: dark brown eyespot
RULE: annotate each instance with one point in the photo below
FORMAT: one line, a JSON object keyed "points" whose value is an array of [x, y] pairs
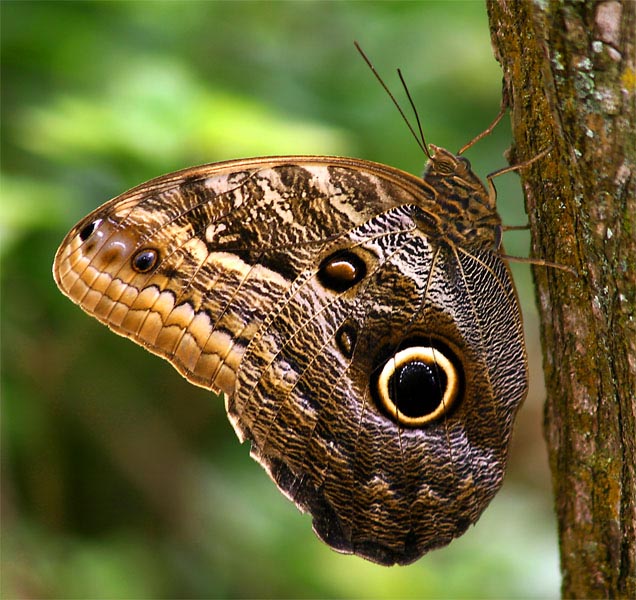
{"points": [[87, 231], [341, 270], [418, 385], [346, 338], [145, 260]]}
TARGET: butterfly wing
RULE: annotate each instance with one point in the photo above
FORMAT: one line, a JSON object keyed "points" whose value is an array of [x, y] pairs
{"points": [[228, 238], [291, 284], [378, 488]]}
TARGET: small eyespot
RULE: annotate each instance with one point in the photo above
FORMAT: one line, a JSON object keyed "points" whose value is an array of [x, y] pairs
{"points": [[346, 338], [145, 260], [88, 230], [341, 270]]}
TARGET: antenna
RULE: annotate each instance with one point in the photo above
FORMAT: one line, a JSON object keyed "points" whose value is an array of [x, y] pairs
{"points": [[417, 116], [421, 142]]}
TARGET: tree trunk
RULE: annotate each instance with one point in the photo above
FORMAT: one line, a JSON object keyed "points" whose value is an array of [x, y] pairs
{"points": [[570, 80]]}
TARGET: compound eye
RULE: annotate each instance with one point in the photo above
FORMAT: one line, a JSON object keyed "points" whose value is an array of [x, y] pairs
{"points": [[444, 167]]}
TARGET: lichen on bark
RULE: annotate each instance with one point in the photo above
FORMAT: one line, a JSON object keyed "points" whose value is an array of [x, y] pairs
{"points": [[569, 71]]}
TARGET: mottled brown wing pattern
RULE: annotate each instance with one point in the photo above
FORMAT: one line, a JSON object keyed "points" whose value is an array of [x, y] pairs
{"points": [[395, 492], [360, 321]]}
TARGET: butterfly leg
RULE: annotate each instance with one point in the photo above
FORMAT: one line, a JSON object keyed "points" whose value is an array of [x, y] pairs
{"points": [[487, 131]]}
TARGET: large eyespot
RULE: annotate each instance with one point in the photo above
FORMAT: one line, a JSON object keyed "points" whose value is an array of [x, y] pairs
{"points": [[145, 260], [341, 270], [88, 230], [419, 384]]}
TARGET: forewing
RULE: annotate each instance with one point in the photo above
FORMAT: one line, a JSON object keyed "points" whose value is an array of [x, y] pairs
{"points": [[229, 238]]}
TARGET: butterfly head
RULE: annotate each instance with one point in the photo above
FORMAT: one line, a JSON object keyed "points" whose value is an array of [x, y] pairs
{"points": [[445, 164], [461, 197]]}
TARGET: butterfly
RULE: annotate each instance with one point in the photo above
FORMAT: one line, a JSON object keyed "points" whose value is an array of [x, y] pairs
{"points": [[361, 322]]}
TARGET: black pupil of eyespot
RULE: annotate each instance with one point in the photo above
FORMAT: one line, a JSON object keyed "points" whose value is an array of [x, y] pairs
{"points": [[418, 388], [87, 231], [145, 260]]}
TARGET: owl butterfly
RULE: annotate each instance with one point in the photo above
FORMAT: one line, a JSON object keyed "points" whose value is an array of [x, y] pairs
{"points": [[361, 322]]}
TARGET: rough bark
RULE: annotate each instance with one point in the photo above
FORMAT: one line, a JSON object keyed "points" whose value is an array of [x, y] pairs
{"points": [[570, 79]]}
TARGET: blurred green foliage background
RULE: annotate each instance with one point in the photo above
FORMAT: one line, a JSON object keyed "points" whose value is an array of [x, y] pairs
{"points": [[119, 479]]}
